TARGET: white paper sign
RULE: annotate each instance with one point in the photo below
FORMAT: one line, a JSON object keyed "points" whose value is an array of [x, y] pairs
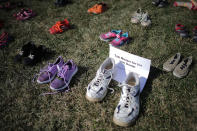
{"points": [[126, 62]]}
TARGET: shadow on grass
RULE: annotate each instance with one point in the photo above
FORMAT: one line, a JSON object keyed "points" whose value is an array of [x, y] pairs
{"points": [[75, 79], [154, 73]]}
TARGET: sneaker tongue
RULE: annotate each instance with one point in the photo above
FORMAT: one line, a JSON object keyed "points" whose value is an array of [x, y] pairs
{"points": [[106, 72], [130, 90], [62, 72]]}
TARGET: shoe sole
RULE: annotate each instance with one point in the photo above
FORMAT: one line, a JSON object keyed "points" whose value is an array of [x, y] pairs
{"points": [[45, 82], [126, 42], [65, 85], [178, 75], [135, 22], [106, 40], [123, 124], [95, 99], [144, 25], [93, 13], [165, 69]]}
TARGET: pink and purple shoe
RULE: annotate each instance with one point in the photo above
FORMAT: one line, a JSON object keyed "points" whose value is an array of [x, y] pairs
{"points": [[120, 40], [48, 73], [110, 35], [64, 76]]}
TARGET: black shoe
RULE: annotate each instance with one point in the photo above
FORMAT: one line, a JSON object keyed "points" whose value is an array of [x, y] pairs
{"points": [[35, 55], [163, 3], [60, 2], [24, 51], [156, 2]]}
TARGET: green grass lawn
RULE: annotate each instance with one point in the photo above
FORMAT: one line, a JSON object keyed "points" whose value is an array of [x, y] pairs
{"points": [[167, 103]]}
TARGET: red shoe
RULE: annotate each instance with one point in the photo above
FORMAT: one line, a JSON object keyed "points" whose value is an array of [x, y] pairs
{"points": [[180, 29], [4, 39], [175, 4], [59, 27], [193, 7], [24, 14]]}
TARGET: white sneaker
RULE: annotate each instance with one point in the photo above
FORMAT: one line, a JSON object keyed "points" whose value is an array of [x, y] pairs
{"points": [[97, 88], [137, 16], [128, 107], [145, 21]]}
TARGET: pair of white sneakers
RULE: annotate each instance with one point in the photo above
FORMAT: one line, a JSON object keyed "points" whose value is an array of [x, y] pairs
{"points": [[141, 17], [128, 107]]}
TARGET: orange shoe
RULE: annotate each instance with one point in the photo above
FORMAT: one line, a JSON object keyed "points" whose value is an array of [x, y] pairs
{"points": [[98, 8], [59, 27]]}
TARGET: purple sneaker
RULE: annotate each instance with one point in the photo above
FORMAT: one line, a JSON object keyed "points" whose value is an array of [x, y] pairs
{"points": [[48, 73], [68, 70]]}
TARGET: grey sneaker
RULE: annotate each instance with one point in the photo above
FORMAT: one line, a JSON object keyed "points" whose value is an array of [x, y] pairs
{"points": [[172, 62], [128, 107], [182, 69], [145, 21], [137, 16], [97, 88]]}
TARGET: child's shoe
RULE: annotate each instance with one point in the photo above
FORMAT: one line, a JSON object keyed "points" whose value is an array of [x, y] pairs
{"points": [[182, 68], [120, 40], [24, 51], [59, 27], [180, 29], [172, 62], [5, 38], [156, 2], [35, 55], [24, 14], [145, 21], [64, 76], [98, 8], [48, 73], [60, 2], [128, 107], [137, 16], [110, 35], [163, 3], [97, 88]]}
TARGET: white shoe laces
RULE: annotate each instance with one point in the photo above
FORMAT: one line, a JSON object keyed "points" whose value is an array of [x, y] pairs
{"points": [[128, 97], [97, 81]]}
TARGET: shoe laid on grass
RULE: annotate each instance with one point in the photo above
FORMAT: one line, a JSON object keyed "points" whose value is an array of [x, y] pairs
{"points": [[145, 21], [128, 107], [64, 76], [120, 40], [35, 55], [98, 8], [156, 2], [48, 73], [160, 3], [97, 88], [24, 14], [182, 68], [172, 62], [141, 17], [163, 3], [60, 2], [195, 34], [110, 35], [180, 29], [5, 38], [137, 16], [59, 27], [24, 51]]}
